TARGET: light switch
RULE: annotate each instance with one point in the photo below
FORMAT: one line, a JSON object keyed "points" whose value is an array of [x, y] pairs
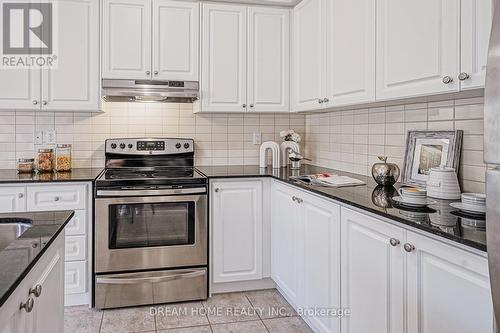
{"points": [[38, 138]]}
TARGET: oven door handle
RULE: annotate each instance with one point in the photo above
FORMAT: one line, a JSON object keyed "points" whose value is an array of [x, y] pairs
{"points": [[128, 193], [153, 279]]}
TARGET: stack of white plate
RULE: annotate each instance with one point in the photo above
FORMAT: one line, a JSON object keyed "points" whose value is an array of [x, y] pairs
{"points": [[472, 203], [412, 196]]}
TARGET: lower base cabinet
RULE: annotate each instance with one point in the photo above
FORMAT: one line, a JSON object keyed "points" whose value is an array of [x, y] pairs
{"points": [[305, 264], [395, 280], [47, 314]]}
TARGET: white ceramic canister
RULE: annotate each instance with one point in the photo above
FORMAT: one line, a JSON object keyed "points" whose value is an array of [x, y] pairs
{"points": [[443, 184]]}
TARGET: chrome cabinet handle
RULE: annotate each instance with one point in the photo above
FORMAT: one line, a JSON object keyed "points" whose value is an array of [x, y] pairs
{"points": [[326, 100], [297, 200], [148, 72], [28, 306], [251, 105], [320, 101], [409, 247], [35, 102], [217, 190], [20, 195], [244, 106], [56, 198], [447, 79], [155, 72], [394, 242], [44, 103], [36, 290], [463, 76]]}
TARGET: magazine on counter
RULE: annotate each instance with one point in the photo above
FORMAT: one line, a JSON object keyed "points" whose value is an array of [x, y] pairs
{"points": [[328, 179]]}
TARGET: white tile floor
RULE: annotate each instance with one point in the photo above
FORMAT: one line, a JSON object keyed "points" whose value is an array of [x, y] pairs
{"points": [[263, 311]]}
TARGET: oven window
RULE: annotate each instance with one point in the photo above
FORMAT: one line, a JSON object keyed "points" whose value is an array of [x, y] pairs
{"points": [[151, 224]]}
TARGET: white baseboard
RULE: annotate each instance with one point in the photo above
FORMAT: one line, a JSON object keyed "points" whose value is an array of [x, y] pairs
{"points": [[227, 287], [76, 299]]}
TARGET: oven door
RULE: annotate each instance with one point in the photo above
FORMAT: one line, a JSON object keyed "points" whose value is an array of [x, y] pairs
{"points": [[153, 232]]}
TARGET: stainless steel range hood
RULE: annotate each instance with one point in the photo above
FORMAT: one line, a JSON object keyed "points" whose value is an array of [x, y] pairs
{"points": [[148, 91]]}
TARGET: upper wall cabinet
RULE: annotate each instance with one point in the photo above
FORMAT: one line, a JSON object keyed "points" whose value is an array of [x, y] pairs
{"points": [[245, 59], [476, 18], [350, 60], [150, 40], [333, 67], [73, 84], [418, 47], [309, 49], [175, 40]]}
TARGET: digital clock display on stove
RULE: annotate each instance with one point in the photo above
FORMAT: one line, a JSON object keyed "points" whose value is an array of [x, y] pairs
{"points": [[150, 145]]}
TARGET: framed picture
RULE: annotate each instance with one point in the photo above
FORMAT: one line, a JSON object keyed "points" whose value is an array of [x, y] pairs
{"points": [[430, 149]]}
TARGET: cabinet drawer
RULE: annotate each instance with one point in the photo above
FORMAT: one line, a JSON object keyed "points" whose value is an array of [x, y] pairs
{"points": [[12, 199], [75, 281], [58, 197], [78, 224], [76, 248]]}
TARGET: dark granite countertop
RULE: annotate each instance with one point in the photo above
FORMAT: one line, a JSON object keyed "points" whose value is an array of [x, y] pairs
{"points": [[439, 219], [21, 246], [75, 175]]}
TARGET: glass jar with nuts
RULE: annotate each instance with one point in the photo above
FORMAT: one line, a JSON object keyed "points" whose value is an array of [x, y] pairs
{"points": [[45, 160], [63, 157]]}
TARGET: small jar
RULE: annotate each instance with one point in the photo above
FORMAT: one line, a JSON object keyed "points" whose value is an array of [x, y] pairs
{"points": [[25, 165], [45, 160], [63, 157]]}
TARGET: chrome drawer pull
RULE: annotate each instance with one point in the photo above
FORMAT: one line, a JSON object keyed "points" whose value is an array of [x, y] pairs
{"points": [[154, 279]]}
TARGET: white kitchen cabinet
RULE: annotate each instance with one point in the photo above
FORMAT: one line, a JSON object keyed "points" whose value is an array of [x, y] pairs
{"points": [[48, 310], [77, 46], [56, 197], [224, 58], [176, 29], [268, 59], [418, 47], [75, 277], [448, 289], [12, 199], [309, 55], [73, 83], [373, 265], [285, 255], [237, 226], [245, 59], [476, 19], [126, 36], [319, 267], [350, 53], [20, 89]]}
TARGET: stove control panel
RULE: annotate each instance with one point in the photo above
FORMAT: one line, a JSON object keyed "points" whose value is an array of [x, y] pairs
{"points": [[149, 146]]}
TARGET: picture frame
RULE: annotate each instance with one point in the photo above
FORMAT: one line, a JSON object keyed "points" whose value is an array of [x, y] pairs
{"points": [[430, 149]]}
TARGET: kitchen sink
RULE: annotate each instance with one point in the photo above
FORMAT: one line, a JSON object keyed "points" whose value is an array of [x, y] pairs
{"points": [[11, 229]]}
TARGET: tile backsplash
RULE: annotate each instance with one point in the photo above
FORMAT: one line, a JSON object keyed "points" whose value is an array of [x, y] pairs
{"points": [[351, 140], [221, 139]]}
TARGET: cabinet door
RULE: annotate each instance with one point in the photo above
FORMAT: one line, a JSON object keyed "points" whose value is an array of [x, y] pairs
{"points": [[237, 217], [224, 58], [350, 56], [176, 40], [284, 235], [417, 47], [49, 306], [319, 244], [477, 16], [448, 289], [268, 59], [20, 89], [126, 40], [372, 274], [308, 54], [12, 199], [78, 58]]}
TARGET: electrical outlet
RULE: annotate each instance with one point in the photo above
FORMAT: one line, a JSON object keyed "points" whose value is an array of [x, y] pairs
{"points": [[49, 137], [257, 138], [38, 138]]}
